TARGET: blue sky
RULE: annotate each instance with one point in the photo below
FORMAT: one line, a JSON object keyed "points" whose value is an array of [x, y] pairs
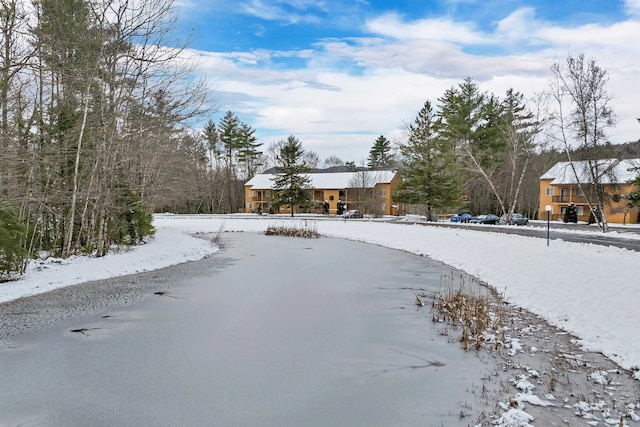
{"points": [[337, 74]]}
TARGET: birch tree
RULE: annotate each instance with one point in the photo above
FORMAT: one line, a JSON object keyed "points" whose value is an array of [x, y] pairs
{"points": [[520, 128], [580, 119]]}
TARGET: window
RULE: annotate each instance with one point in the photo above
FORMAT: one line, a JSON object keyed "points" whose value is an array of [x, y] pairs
{"points": [[267, 194], [579, 192], [252, 193], [549, 191], [383, 207], [250, 205], [383, 193]]}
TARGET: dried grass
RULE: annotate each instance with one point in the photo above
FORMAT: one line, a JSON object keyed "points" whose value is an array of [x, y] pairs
{"points": [[481, 319], [299, 229]]}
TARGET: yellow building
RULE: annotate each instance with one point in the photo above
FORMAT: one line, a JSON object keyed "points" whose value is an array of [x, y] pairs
{"points": [[559, 187], [367, 191]]}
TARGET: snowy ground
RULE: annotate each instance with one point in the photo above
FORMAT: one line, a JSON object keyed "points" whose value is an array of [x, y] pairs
{"points": [[590, 291]]}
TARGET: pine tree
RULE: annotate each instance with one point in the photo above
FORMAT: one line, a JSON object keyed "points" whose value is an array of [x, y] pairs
{"points": [[634, 196], [290, 184], [12, 235], [429, 175], [469, 119], [248, 153], [380, 154], [230, 135]]}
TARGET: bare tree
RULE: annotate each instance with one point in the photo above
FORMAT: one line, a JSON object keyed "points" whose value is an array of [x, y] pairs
{"points": [[311, 159], [271, 153], [581, 117], [332, 161], [360, 194]]}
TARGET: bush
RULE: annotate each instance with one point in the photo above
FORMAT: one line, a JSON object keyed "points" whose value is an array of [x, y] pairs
{"points": [[12, 237], [132, 226], [293, 230]]}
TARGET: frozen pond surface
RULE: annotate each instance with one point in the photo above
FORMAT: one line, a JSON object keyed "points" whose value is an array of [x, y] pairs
{"points": [[271, 331]]}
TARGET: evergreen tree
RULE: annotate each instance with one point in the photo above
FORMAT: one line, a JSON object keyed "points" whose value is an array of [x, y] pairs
{"points": [[351, 165], [290, 184], [12, 235], [212, 144], [230, 135], [212, 139], [380, 154], [428, 171], [469, 119], [248, 153], [634, 196]]}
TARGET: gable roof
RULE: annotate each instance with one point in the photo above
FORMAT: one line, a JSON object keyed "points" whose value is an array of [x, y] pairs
{"points": [[329, 181], [611, 171]]}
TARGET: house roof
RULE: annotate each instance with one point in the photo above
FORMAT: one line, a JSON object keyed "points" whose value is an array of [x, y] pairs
{"points": [[611, 171], [328, 181]]}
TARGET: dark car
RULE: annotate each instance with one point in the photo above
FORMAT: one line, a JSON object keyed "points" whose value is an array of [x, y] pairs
{"points": [[485, 219]]}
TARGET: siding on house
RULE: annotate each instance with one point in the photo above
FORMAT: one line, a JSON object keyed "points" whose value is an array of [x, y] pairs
{"points": [[333, 187], [559, 187]]}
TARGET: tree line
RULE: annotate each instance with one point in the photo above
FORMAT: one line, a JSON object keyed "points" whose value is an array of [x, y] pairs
{"points": [[95, 102], [475, 151]]}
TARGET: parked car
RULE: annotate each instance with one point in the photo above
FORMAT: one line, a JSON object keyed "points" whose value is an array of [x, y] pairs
{"points": [[516, 219], [351, 214], [485, 219], [461, 217]]}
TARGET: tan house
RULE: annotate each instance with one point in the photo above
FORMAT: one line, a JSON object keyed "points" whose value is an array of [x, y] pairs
{"points": [[559, 187], [367, 191]]}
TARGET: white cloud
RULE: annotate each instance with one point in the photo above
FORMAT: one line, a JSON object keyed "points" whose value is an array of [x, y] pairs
{"points": [[289, 11], [518, 26], [438, 29], [632, 7], [351, 90]]}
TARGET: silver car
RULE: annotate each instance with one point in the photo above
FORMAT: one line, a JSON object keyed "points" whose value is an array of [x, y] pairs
{"points": [[516, 219]]}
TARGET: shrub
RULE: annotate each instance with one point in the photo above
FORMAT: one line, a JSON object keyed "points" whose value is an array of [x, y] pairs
{"points": [[12, 237], [293, 230]]}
